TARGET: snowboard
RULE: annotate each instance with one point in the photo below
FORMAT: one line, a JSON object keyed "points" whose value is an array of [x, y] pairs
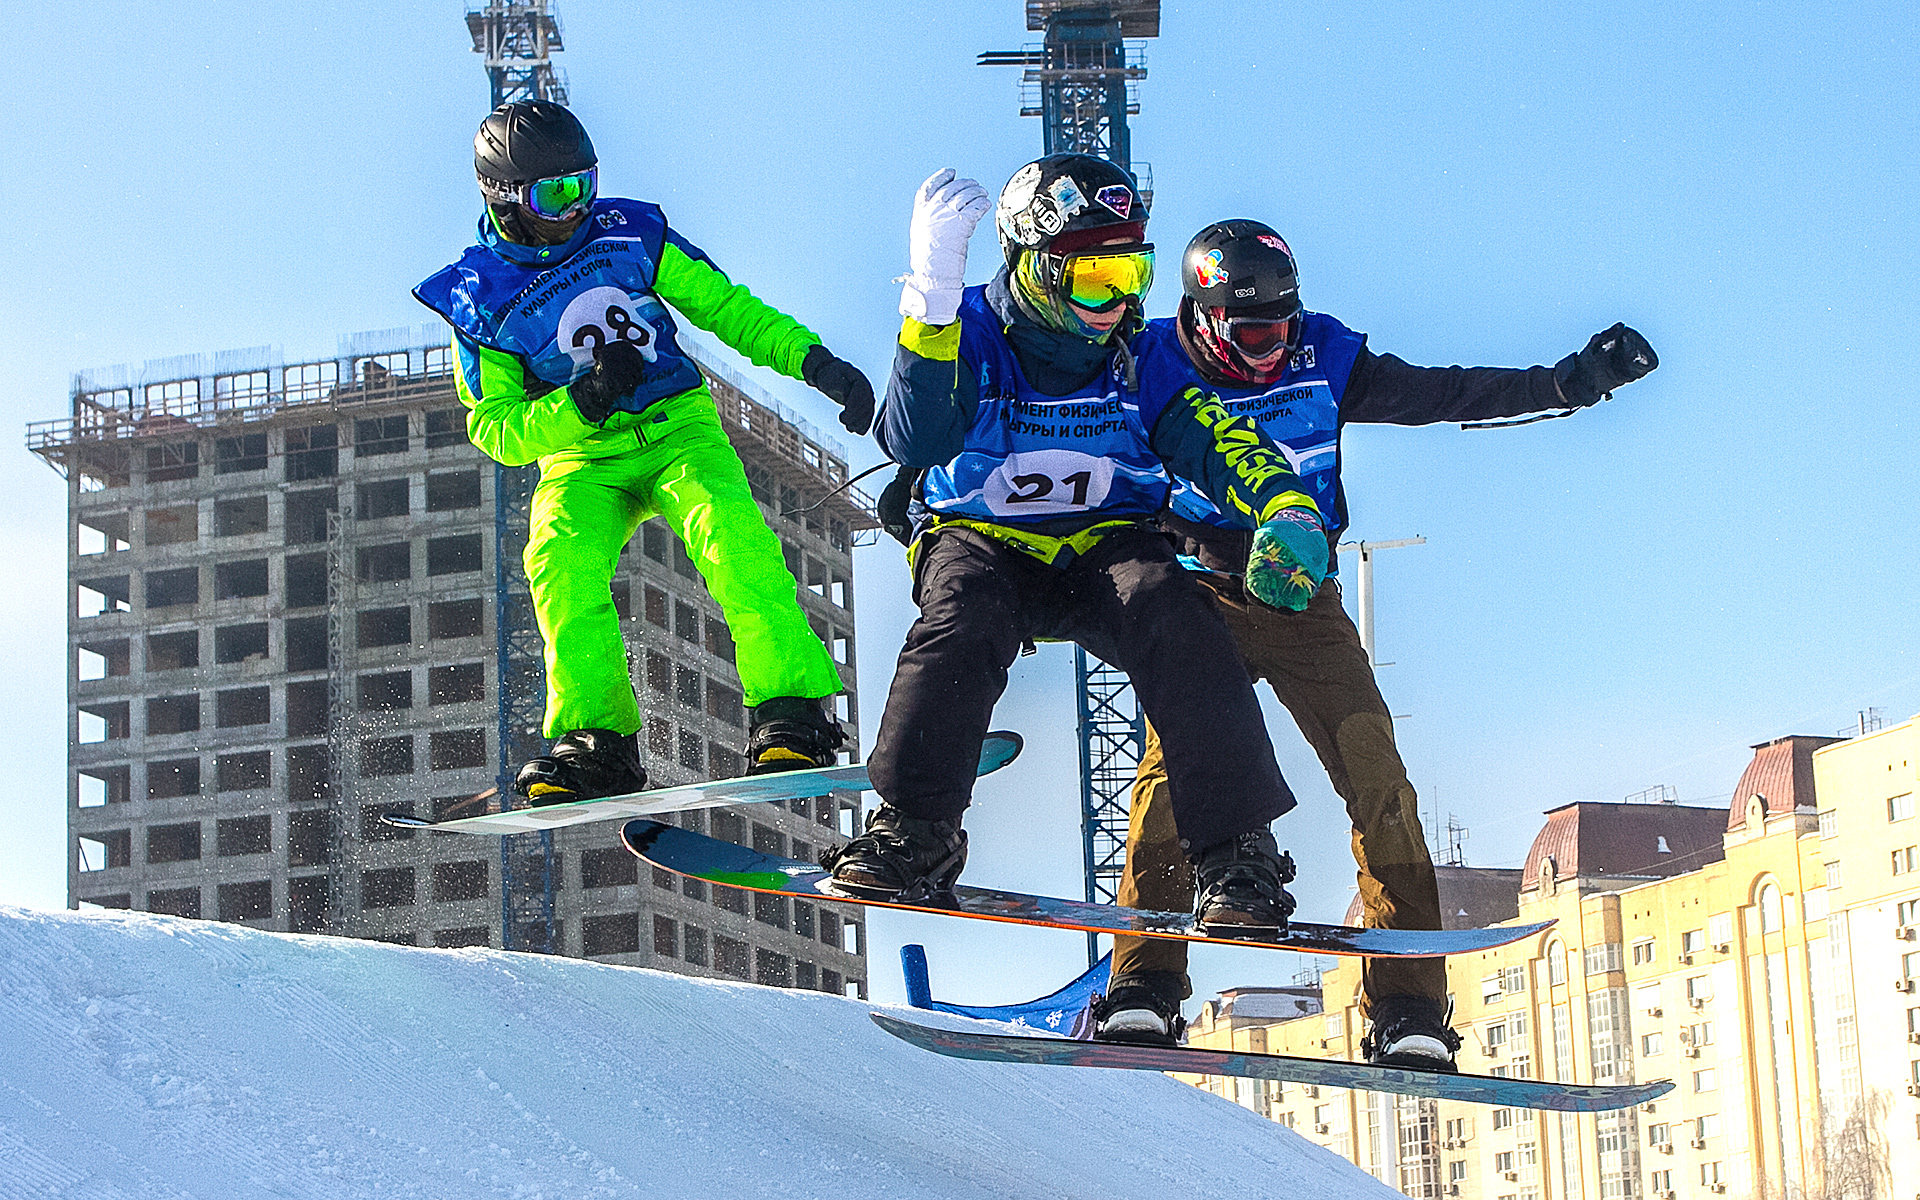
{"points": [[1000, 748], [1321, 1072], [686, 853]]}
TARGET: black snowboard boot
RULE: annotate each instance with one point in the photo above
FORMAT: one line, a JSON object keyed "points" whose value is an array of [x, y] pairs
{"points": [[790, 733], [1242, 887], [583, 765], [900, 858], [1410, 1032], [1143, 1010]]}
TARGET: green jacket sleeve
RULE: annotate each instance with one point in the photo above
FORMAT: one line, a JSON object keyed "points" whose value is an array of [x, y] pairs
{"points": [[703, 293], [510, 422]]}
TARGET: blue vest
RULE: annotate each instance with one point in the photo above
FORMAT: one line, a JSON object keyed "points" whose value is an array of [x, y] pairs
{"points": [[1301, 412], [550, 306], [1047, 463]]}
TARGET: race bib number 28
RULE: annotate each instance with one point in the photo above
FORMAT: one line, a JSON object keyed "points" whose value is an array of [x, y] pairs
{"points": [[601, 315], [1043, 482]]}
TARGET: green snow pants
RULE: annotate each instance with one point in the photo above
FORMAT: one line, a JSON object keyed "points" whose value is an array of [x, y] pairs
{"points": [[584, 512]]}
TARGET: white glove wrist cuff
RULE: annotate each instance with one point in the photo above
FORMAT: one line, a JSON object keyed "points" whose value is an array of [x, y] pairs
{"points": [[928, 303]]}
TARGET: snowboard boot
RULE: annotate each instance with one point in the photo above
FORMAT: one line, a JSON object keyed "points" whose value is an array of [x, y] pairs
{"points": [[1141, 1010], [1410, 1032], [790, 733], [900, 858], [1242, 887], [583, 765]]}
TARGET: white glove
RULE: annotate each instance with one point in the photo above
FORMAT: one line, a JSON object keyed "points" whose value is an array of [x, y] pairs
{"points": [[945, 212]]}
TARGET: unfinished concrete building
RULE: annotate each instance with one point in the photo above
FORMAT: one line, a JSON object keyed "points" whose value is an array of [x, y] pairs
{"points": [[287, 582]]}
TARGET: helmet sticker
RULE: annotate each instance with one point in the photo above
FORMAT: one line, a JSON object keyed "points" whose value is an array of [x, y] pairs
{"points": [[1016, 215], [1273, 242], [1208, 271], [1118, 198], [1066, 194]]}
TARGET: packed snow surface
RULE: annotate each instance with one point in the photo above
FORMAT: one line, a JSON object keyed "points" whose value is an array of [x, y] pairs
{"points": [[146, 1056]]}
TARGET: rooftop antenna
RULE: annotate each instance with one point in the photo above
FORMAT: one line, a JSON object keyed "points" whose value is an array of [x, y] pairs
{"points": [[1659, 793], [1456, 855]]}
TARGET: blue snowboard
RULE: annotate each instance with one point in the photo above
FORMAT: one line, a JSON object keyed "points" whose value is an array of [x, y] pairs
{"points": [[1000, 748], [1325, 1072], [702, 857]]}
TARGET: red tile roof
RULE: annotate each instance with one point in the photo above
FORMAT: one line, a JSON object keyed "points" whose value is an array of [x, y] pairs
{"points": [[1781, 774]]}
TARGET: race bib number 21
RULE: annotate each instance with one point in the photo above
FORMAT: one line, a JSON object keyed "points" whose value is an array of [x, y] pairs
{"points": [[1043, 482]]}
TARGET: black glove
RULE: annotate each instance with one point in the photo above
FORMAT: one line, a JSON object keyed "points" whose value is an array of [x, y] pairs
{"points": [[618, 368], [1618, 355], [841, 382], [894, 502]]}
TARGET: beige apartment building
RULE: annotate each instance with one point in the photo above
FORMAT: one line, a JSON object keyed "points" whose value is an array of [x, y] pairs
{"points": [[1764, 957]]}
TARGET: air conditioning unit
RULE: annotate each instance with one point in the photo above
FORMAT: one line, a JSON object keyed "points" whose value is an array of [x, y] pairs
{"points": [[1914, 1036], [1313, 1091], [1906, 933], [1686, 960], [1654, 1011], [1903, 985], [1511, 1176], [1664, 1147], [1666, 1195], [1691, 1052], [1913, 1089], [1722, 948], [1489, 1050], [1696, 1001], [1450, 1144], [1322, 1127], [1698, 1143], [1453, 1189], [1716, 1187]]}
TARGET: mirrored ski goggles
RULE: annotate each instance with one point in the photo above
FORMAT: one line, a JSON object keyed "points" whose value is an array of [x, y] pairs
{"points": [[552, 198], [1255, 337], [1097, 282]]}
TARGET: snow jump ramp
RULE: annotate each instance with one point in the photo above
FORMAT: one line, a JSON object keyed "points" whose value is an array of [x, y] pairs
{"points": [[147, 1056]]}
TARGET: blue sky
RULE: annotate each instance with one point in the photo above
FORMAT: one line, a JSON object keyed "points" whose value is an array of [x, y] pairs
{"points": [[1725, 553]]}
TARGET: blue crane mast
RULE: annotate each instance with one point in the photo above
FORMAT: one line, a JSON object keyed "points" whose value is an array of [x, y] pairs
{"points": [[516, 36], [1081, 82]]}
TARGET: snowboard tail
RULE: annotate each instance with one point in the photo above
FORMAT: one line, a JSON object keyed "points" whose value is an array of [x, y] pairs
{"points": [[1000, 748], [701, 857], [1437, 1085]]}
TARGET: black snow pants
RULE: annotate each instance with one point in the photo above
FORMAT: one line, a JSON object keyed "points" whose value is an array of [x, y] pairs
{"points": [[1129, 603]]}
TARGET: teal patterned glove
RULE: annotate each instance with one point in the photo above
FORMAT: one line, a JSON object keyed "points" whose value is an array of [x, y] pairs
{"points": [[1289, 559]]}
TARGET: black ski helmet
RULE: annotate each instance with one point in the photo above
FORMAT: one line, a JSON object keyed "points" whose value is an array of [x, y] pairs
{"points": [[1067, 202], [1241, 266], [528, 140]]}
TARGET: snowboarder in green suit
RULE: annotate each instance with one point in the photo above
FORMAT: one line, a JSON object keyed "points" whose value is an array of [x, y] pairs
{"points": [[568, 357]]}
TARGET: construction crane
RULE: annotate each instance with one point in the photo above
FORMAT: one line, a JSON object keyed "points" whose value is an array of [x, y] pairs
{"points": [[1081, 82], [516, 36]]}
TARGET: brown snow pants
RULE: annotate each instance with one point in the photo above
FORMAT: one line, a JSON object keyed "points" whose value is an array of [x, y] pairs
{"points": [[1315, 664]]}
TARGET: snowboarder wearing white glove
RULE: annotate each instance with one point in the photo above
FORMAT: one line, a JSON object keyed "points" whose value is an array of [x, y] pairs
{"points": [[945, 212]]}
